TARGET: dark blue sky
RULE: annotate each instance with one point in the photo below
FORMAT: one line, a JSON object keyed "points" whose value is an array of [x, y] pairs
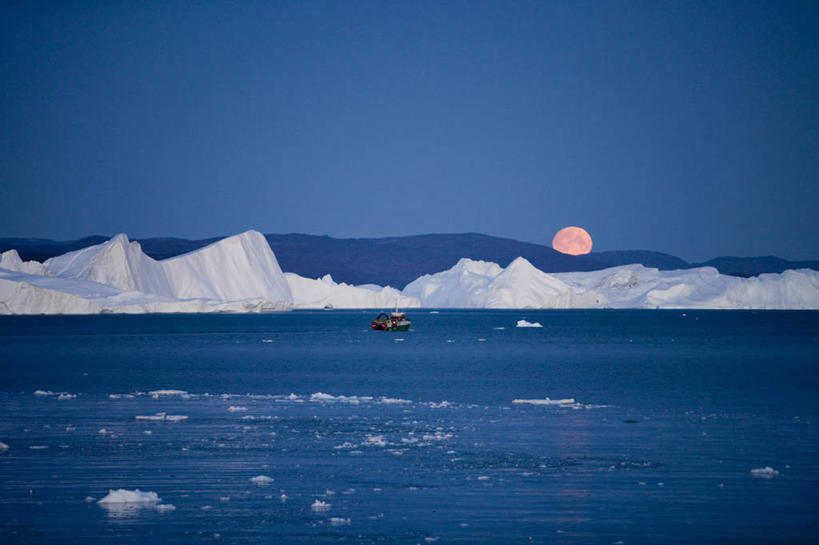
{"points": [[685, 127]]}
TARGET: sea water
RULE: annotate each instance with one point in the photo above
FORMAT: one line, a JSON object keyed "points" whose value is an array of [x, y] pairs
{"points": [[307, 427]]}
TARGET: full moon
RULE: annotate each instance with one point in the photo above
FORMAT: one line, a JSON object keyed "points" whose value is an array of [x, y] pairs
{"points": [[572, 241]]}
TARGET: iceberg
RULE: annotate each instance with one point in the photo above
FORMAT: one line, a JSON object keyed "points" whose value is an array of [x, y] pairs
{"points": [[241, 274], [324, 292], [236, 274], [478, 284]]}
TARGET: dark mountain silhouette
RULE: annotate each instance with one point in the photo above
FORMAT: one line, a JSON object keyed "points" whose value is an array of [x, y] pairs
{"points": [[399, 260]]}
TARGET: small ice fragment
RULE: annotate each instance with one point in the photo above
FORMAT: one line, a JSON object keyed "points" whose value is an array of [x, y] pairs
{"points": [[129, 496], [206, 507], [169, 393], [164, 507], [89, 499], [3, 446], [524, 323], [483, 478], [43, 393], [38, 447], [224, 498], [283, 497], [339, 521], [499, 328], [766, 472], [267, 340], [349, 491], [261, 480], [376, 440], [236, 408], [65, 395], [481, 340], [431, 539], [147, 432], [545, 401], [102, 431], [394, 401], [320, 506]]}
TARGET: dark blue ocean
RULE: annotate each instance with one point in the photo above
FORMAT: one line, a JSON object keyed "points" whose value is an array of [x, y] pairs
{"points": [[414, 437]]}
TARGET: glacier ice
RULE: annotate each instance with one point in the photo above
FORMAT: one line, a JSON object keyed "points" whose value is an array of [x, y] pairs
{"points": [[236, 274], [326, 293], [478, 284], [241, 274]]}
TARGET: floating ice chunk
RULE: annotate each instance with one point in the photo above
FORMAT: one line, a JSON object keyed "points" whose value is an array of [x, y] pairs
{"points": [[165, 507], [162, 417], [524, 323], [339, 521], [120, 396], [89, 499], [394, 401], [129, 496], [102, 431], [169, 393], [62, 396], [320, 506], [283, 497], [236, 408], [441, 405], [766, 472], [3, 446], [375, 440], [267, 340], [546, 401], [261, 480], [38, 447], [437, 436]]}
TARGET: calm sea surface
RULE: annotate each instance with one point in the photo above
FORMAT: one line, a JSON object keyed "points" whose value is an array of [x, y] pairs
{"points": [[414, 437]]}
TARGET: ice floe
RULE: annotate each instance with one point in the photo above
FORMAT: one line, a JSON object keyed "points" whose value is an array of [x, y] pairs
{"points": [[545, 401], [3, 446], [261, 480], [339, 521], [129, 496], [162, 417], [766, 472], [524, 323], [319, 506]]}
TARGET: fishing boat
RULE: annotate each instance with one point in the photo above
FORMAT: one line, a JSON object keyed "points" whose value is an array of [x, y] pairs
{"points": [[395, 321]]}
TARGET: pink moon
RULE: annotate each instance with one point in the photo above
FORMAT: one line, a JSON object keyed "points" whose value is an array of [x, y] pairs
{"points": [[572, 241]]}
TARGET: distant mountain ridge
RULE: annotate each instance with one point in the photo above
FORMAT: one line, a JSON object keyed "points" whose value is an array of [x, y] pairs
{"points": [[399, 260]]}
